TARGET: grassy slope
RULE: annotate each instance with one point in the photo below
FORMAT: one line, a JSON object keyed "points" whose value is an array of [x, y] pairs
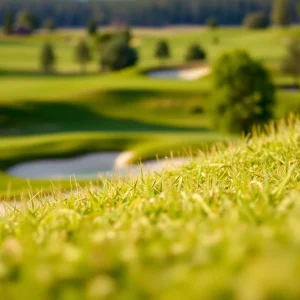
{"points": [[226, 226], [122, 107]]}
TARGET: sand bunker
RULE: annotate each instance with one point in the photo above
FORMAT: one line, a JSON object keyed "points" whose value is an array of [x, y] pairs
{"points": [[180, 74]]}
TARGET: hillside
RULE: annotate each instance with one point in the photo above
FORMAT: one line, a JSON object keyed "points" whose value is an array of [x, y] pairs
{"points": [[226, 226]]}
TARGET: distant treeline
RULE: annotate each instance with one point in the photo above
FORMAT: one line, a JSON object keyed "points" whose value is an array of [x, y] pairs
{"points": [[75, 13]]}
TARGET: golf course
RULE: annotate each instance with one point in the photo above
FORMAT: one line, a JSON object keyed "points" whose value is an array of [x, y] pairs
{"points": [[149, 150], [69, 113]]}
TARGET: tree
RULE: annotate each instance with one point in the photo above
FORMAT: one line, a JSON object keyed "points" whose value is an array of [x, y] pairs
{"points": [[255, 21], [162, 50], [82, 54], [298, 10], [195, 52], [92, 27], [49, 25], [126, 34], [291, 62], [24, 20], [8, 23], [47, 58], [280, 13], [212, 23], [244, 93], [117, 54], [34, 21]]}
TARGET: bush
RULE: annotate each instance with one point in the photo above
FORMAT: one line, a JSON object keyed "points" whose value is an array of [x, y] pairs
{"points": [[256, 21], [117, 54], [245, 94], [47, 58], [195, 52], [162, 50]]}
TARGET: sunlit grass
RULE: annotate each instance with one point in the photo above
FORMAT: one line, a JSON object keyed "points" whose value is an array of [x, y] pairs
{"points": [[225, 226]]}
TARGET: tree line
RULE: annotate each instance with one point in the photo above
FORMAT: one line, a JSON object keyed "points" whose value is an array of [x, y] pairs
{"points": [[75, 13]]}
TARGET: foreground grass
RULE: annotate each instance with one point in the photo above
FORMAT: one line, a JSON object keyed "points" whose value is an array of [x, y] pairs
{"points": [[19, 149], [226, 226]]}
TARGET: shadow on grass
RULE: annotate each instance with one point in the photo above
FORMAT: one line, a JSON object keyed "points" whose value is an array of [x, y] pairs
{"points": [[33, 117], [38, 73]]}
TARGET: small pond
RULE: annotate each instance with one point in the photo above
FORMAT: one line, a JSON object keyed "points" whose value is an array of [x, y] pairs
{"points": [[86, 167]]}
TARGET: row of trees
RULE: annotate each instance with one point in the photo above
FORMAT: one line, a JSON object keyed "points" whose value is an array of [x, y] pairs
{"points": [[25, 22], [279, 16], [28, 23], [116, 54], [72, 13], [48, 58]]}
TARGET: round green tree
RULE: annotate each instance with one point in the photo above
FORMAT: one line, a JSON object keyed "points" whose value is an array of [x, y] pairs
{"points": [[244, 93], [162, 50], [195, 52], [117, 54], [47, 58], [82, 54]]}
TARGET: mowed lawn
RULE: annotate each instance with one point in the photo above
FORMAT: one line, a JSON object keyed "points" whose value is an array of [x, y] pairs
{"points": [[71, 113]]}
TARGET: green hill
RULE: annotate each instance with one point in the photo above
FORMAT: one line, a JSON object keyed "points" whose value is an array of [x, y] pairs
{"points": [[226, 226]]}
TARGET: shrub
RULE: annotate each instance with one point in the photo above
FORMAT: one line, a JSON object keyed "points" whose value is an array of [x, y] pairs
{"points": [[47, 58], [82, 54], [244, 93], [291, 62], [195, 52], [255, 21], [117, 54], [162, 50]]}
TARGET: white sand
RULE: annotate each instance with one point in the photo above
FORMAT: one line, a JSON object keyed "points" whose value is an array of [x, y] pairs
{"points": [[180, 74]]}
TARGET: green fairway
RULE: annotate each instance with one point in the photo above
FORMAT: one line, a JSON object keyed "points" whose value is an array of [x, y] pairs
{"points": [[69, 113]]}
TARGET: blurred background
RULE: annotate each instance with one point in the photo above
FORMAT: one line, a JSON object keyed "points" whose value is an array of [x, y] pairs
{"points": [[91, 86]]}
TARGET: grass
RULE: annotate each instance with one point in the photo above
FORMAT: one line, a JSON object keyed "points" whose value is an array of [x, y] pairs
{"points": [[127, 110], [225, 226]]}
